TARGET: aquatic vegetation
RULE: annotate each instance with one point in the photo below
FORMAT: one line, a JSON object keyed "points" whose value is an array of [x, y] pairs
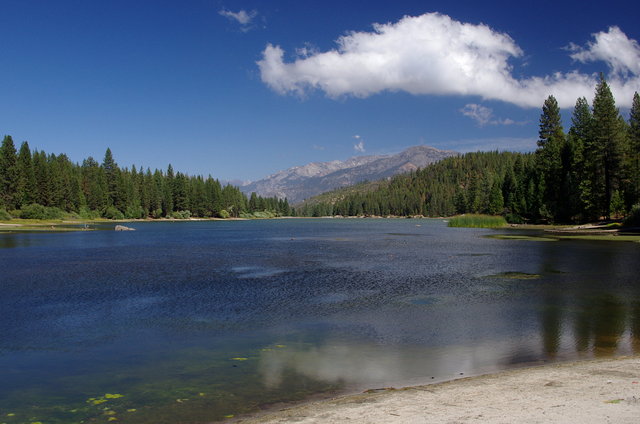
{"points": [[477, 221], [601, 237], [513, 275], [421, 300], [113, 396], [520, 237]]}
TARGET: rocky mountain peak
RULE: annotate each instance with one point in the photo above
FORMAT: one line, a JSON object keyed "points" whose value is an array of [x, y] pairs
{"points": [[301, 182]]}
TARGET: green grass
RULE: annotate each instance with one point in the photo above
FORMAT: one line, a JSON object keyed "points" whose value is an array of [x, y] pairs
{"points": [[477, 221]]}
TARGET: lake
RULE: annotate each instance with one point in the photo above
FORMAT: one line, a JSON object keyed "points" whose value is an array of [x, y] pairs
{"points": [[191, 322]]}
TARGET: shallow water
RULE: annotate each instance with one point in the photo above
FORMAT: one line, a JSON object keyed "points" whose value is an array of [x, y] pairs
{"points": [[193, 322]]}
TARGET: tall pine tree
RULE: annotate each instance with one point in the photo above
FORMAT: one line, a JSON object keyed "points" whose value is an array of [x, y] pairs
{"points": [[9, 197], [634, 150], [26, 176], [603, 152], [549, 156]]}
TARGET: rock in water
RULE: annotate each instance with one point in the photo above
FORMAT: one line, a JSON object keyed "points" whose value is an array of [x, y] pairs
{"points": [[123, 228]]}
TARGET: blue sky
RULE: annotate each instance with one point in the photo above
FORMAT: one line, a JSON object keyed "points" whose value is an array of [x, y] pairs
{"points": [[241, 89]]}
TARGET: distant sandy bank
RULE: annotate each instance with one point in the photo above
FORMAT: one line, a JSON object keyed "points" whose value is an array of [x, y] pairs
{"points": [[597, 391]]}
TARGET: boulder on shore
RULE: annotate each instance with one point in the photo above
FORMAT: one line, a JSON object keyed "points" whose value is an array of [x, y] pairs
{"points": [[123, 228]]}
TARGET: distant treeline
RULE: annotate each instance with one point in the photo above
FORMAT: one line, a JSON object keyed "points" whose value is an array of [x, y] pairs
{"points": [[41, 185], [591, 171]]}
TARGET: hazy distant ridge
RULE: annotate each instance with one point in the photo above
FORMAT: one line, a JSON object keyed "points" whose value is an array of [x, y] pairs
{"points": [[301, 182]]}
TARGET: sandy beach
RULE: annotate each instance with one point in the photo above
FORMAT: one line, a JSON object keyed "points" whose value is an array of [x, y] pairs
{"points": [[595, 391]]}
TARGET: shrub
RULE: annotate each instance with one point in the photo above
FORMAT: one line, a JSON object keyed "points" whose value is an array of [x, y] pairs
{"points": [[4, 215], [181, 215], [86, 213], [224, 214], [33, 211], [112, 213], [53, 213], [633, 220], [617, 204], [134, 212], [512, 218]]}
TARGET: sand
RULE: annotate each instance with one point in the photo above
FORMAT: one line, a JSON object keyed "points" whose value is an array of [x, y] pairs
{"points": [[597, 391]]}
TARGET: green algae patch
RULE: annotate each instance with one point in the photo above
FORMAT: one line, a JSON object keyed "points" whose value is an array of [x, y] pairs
{"points": [[572, 236], [601, 237], [520, 237], [512, 275], [113, 396]]}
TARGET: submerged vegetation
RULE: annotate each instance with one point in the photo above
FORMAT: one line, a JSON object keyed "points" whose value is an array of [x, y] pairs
{"points": [[477, 221], [588, 173], [513, 275]]}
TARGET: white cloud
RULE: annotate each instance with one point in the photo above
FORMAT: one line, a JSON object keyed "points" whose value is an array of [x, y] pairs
{"points": [[433, 54], [484, 115], [359, 146], [242, 17], [613, 47]]}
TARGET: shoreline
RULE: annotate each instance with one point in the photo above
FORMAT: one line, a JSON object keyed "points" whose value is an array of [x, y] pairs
{"points": [[585, 391], [559, 232]]}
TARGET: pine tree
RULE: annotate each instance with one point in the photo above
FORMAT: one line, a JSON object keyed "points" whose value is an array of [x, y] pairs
{"points": [[551, 146], [579, 133], [167, 192], [111, 176], [94, 185], [41, 168], [496, 200], [603, 151], [634, 151], [26, 176], [9, 196]]}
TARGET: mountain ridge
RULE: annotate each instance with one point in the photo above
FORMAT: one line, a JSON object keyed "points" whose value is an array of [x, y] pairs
{"points": [[301, 182]]}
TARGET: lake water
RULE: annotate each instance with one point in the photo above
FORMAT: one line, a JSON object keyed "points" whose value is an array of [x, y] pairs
{"points": [[191, 322]]}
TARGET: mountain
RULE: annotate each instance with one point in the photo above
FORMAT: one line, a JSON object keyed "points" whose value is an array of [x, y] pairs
{"points": [[301, 182]]}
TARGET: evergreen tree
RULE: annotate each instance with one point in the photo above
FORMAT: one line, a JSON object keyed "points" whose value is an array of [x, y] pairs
{"points": [[26, 176], [167, 193], [94, 185], [551, 147], [603, 151], [9, 196], [43, 180], [634, 151], [110, 169], [496, 200], [579, 134]]}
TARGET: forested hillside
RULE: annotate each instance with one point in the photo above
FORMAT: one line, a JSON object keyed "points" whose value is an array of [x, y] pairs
{"points": [[589, 172], [40, 185]]}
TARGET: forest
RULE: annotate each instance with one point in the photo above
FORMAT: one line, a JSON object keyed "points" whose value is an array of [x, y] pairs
{"points": [[37, 185], [590, 172]]}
